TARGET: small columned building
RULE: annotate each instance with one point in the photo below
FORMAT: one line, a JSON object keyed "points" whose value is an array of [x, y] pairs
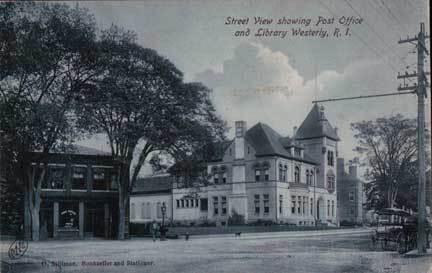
{"points": [[79, 194]]}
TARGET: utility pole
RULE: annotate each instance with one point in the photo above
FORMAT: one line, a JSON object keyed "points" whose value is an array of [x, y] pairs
{"points": [[420, 89]]}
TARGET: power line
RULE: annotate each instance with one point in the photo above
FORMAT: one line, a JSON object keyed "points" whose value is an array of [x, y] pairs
{"points": [[373, 30], [364, 97], [377, 53]]}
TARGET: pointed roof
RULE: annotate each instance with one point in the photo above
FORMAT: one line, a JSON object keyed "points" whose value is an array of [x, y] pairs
{"points": [[316, 125], [267, 141]]}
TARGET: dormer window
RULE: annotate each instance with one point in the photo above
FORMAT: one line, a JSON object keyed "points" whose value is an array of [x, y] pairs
{"points": [[257, 175], [297, 152], [266, 175], [216, 178]]}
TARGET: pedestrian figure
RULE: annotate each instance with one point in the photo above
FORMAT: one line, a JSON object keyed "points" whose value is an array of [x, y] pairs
{"points": [[154, 230]]}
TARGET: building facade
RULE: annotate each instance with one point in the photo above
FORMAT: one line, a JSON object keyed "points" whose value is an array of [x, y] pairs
{"points": [[260, 176], [79, 194], [350, 194]]}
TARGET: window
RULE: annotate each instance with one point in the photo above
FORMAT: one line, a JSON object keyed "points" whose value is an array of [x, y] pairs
{"points": [[280, 203], [103, 178], [266, 175], [79, 178], [297, 174], [352, 211], [133, 211], [285, 171], [215, 205], [299, 204], [224, 177], [331, 182], [182, 203], [257, 175], [56, 177], [204, 204], [330, 158], [178, 203], [312, 178], [143, 211], [293, 204], [248, 150], [216, 178], [304, 205], [148, 211], [257, 204], [266, 203], [332, 208], [328, 207], [280, 172], [311, 206], [224, 205], [158, 210], [351, 196], [297, 152], [196, 202]]}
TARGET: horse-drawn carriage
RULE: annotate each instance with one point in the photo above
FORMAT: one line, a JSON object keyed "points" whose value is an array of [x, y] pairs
{"points": [[396, 230]]}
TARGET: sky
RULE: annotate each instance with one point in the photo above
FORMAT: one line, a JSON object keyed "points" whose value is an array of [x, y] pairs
{"points": [[273, 79]]}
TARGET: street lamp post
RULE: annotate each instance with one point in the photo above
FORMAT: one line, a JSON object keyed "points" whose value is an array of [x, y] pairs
{"points": [[162, 231]]}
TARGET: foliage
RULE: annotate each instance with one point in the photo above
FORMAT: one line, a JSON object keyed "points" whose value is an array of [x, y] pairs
{"points": [[389, 146], [46, 57], [141, 98]]}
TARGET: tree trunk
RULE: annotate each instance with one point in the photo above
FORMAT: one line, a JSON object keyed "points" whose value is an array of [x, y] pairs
{"points": [[122, 219], [123, 194], [35, 222]]}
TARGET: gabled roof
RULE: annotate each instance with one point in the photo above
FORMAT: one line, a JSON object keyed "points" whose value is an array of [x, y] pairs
{"points": [[154, 184], [316, 125], [267, 141]]}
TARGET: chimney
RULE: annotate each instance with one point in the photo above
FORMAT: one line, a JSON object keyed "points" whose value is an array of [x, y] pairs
{"points": [[321, 113], [340, 166], [353, 170], [240, 127], [240, 130], [294, 131]]}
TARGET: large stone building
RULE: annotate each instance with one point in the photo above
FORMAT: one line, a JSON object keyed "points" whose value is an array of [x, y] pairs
{"points": [[260, 176], [351, 196]]}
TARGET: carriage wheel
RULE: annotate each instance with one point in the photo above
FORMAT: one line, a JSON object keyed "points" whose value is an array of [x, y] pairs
{"points": [[401, 244], [374, 242]]}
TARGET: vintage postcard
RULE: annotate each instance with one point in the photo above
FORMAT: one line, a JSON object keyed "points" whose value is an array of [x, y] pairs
{"points": [[207, 136]]}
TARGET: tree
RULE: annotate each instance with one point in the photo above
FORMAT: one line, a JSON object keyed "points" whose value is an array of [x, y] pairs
{"points": [[141, 98], [389, 146], [47, 56]]}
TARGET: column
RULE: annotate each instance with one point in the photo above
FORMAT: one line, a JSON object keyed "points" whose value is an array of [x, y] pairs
{"points": [[55, 219], [89, 179], [106, 220], [81, 219]]}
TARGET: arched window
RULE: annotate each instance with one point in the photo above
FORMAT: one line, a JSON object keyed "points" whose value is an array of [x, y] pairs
{"points": [[297, 174], [285, 171], [280, 172], [266, 174], [312, 178], [307, 177], [331, 182]]}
